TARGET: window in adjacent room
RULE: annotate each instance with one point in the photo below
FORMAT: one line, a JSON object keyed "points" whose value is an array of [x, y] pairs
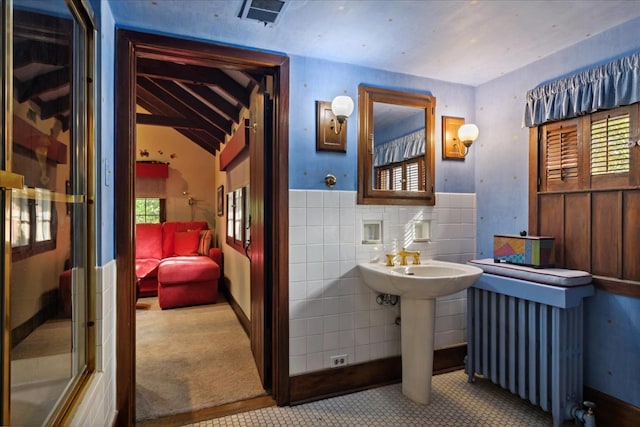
{"points": [[150, 210], [238, 218], [32, 223]]}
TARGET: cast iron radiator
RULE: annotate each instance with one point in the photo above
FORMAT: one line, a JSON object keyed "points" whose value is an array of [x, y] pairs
{"points": [[527, 338]]}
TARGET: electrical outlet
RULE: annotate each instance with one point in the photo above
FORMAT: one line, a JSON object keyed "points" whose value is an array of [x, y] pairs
{"points": [[339, 360]]}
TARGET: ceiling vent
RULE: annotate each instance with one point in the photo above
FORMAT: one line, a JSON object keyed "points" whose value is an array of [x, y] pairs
{"points": [[265, 11]]}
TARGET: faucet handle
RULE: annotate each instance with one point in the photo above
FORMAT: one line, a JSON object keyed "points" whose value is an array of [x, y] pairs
{"points": [[416, 258], [391, 260]]}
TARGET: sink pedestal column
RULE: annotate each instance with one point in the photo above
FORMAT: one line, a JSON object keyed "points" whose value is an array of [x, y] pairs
{"points": [[418, 321]]}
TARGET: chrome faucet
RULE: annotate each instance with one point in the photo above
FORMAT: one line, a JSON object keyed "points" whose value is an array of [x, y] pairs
{"points": [[404, 253]]}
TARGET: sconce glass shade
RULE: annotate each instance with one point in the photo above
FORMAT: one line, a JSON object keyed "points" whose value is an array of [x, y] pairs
{"points": [[468, 133], [342, 107]]}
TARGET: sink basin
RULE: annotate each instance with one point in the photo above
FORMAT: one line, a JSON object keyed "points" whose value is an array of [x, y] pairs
{"points": [[418, 286], [428, 280]]}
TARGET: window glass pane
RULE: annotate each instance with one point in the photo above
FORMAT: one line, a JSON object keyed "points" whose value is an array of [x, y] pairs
{"points": [[43, 215], [148, 210], [20, 224], [230, 212], [238, 215]]}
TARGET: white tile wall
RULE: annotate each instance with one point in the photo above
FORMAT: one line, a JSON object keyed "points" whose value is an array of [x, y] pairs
{"points": [[331, 311], [98, 407]]}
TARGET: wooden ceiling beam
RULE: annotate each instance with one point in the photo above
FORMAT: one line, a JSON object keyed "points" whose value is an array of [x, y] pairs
{"points": [[207, 142], [178, 106], [42, 84], [218, 101], [182, 100], [194, 74], [166, 121], [35, 51], [49, 109]]}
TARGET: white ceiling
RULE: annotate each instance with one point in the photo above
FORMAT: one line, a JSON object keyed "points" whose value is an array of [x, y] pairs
{"points": [[468, 42]]}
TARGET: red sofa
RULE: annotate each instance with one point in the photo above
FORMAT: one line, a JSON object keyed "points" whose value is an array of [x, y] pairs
{"points": [[174, 261]]}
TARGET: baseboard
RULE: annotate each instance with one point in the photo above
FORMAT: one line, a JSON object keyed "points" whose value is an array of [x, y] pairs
{"points": [[242, 318], [611, 411], [49, 310], [339, 381]]}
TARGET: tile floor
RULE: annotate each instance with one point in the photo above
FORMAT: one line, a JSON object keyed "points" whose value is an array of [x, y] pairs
{"points": [[455, 402]]}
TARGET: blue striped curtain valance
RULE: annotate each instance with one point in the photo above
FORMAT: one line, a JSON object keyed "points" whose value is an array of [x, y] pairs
{"points": [[610, 85], [399, 149]]}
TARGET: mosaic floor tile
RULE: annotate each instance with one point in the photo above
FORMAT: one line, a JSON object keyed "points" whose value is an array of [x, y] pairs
{"points": [[454, 402]]}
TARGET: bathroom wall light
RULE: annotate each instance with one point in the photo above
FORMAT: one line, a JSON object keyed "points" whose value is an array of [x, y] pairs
{"points": [[342, 107], [467, 133]]}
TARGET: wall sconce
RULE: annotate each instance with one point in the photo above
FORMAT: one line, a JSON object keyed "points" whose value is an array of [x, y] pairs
{"points": [[342, 107], [332, 123], [467, 133]]}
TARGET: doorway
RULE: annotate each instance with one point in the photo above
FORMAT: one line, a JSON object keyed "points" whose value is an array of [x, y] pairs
{"points": [[269, 241]]}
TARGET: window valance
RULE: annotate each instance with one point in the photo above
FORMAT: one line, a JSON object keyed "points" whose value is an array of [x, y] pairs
{"points": [[610, 85], [399, 149]]}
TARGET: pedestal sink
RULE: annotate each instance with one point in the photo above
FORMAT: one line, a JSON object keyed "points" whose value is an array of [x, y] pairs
{"points": [[418, 286]]}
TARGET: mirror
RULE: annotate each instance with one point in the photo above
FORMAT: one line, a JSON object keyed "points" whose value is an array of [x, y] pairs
{"points": [[396, 147]]}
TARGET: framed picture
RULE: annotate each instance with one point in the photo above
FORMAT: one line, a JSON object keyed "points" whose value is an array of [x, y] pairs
{"points": [[452, 148], [221, 200]]}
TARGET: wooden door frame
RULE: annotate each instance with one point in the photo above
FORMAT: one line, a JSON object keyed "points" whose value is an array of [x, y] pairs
{"points": [[129, 44]]}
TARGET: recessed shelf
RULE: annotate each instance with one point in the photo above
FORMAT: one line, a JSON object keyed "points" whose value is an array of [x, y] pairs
{"points": [[422, 231], [371, 231]]}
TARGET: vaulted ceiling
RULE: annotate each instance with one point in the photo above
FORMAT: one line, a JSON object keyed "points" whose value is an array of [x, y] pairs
{"points": [[42, 53], [202, 102]]}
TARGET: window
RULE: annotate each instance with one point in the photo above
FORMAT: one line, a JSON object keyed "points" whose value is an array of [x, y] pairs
{"points": [[150, 210], [590, 152], [238, 218], [407, 175], [32, 222]]}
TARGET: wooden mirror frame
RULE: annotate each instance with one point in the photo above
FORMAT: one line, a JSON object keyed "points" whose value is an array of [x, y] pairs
{"points": [[367, 195]]}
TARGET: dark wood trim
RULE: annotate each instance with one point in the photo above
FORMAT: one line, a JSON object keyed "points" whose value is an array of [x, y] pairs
{"points": [[210, 413], [611, 411], [339, 381], [280, 238], [124, 208], [128, 45], [617, 286], [534, 164], [449, 358], [242, 318]]}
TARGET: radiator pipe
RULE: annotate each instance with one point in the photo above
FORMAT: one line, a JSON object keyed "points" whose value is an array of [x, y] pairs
{"points": [[584, 415]]}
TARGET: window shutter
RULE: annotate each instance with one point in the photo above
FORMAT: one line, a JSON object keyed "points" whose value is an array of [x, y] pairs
{"points": [[609, 149], [396, 184], [383, 178], [561, 166], [413, 175]]}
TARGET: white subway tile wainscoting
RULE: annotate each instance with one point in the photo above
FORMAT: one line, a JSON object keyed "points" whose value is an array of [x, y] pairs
{"points": [[331, 311]]}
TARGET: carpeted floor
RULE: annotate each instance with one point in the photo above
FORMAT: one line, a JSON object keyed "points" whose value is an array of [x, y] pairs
{"points": [[190, 358]]}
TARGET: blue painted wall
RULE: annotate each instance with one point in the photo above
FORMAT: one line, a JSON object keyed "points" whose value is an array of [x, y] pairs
{"points": [[317, 80], [105, 145], [612, 331]]}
